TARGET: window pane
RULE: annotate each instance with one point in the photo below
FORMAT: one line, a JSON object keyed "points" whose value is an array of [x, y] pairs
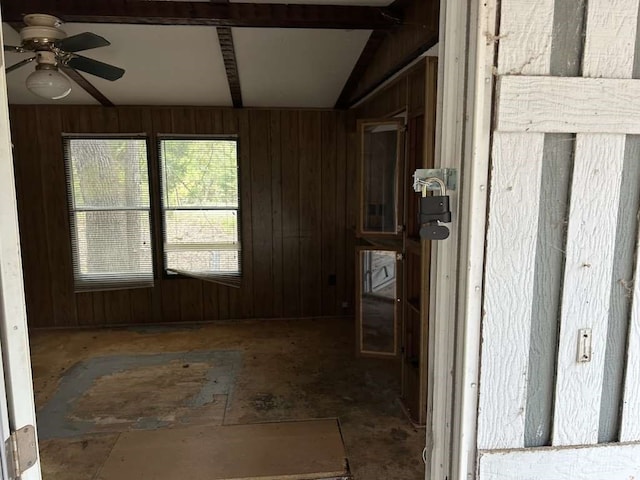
{"points": [[201, 173], [109, 173], [113, 242], [108, 186], [201, 261], [201, 207], [378, 301], [380, 163], [201, 226]]}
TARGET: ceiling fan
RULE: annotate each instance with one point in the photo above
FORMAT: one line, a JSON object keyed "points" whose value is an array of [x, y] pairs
{"points": [[53, 49]]}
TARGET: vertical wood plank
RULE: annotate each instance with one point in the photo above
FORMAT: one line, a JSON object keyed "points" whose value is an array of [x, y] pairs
{"points": [[525, 36], [261, 223], [275, 135], [84, 308], [591, 240], [117, 307], [328, 213], [245, 159], [290, 213], [141, 305], [587, 288], [607, 54], [630, 421], [342, 294], [99, 317], [621, 294], [31, 205], [310, 192], [56, 218], [511, 246], [352, 204]]}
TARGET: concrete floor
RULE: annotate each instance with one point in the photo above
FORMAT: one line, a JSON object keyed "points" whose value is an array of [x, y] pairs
{"points": [[91, 385]]}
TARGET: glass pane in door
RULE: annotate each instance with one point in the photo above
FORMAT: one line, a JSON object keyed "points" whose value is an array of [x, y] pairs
{"points": [[380, 159], [378, 302]]}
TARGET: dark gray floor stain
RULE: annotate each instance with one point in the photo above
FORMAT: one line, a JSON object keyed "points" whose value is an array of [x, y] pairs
{"points": [[55, 420]]}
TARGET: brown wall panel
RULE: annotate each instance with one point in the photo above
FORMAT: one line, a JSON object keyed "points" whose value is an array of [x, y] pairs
{"points": [[310, 201], [291, 214], [261, 213], [276, 213], [297, 173], [29, 181], [329, 220], [56, 220]]}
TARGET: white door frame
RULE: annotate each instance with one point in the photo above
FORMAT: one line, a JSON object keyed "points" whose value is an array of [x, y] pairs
{"points": [[14, 338], [465, 86]]}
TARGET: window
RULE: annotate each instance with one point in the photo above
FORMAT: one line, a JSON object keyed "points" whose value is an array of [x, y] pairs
{"points": [[200, 208], [108, 185]]}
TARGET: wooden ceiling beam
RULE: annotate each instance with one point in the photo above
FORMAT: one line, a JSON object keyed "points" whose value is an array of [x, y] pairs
{"points": [[366, 57], [208, 13], [371, 48], [225, 37], [405, 62]]}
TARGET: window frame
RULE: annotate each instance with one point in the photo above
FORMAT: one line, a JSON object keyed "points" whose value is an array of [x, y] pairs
{"points": [[161, 250], [127, 282]]}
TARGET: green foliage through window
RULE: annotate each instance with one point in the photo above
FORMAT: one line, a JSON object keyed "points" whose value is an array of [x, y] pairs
{"points": [[200, 204]]}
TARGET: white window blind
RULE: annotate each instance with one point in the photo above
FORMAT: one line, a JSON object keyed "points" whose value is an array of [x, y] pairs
{"points": [[201, 208], [108, 185]]}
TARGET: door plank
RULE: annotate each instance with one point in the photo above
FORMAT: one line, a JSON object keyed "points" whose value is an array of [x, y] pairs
{"points": [[526, 47], [587, 286], [591, 232], [630, 424], [509, 281], [568, 105], [610, 461]]}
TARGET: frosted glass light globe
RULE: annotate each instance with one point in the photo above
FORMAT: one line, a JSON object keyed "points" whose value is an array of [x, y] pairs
{"points": [[49, 84]]}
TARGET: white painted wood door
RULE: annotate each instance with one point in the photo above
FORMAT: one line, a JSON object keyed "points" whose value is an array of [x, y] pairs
{"points": [[17, 407], [598, 110]]}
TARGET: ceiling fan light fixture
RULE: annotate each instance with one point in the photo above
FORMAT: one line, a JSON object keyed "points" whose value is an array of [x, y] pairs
{"points": [[48, 83]]}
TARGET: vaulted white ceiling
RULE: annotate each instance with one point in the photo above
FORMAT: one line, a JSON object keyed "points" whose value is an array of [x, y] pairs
{"points": [[183, 65]]}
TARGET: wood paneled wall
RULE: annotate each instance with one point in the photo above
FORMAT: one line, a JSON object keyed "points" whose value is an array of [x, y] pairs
{"points": [[407, 92], [298, 169], [419, 31]]}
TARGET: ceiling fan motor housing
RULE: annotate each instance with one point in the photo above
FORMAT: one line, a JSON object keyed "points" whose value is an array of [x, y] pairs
{"points": [[41, 31]]}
